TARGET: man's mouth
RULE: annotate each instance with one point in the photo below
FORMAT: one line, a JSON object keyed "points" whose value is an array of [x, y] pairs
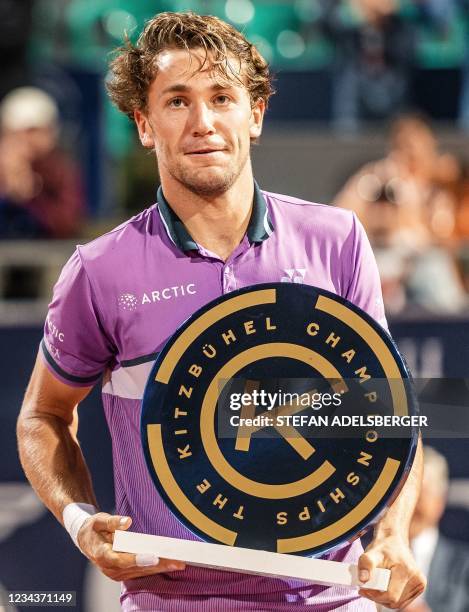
{"points": [[205, 151]]}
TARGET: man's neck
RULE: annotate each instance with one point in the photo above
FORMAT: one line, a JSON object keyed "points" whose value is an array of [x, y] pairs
{"points": [[217, 223]]}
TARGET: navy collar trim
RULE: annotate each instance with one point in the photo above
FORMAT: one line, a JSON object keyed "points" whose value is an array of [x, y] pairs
{"points": [[259, 229]]}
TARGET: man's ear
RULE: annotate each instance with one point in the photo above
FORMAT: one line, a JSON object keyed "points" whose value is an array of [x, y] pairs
{"points": [[257, 116], [144, 130]]}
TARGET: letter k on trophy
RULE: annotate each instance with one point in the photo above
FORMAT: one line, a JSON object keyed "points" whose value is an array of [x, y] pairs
{"points": [[262, 431]]}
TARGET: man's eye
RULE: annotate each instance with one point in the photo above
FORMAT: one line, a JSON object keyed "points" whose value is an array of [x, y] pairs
{"points": [[176, 102], [222, 99]]}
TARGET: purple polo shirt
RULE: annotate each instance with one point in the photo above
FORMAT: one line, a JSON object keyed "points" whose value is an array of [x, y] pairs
{"points": [[121, 296]]}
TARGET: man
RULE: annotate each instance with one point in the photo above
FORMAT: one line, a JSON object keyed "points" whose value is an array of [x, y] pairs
{"points": [[197, 91], [41, 194]]}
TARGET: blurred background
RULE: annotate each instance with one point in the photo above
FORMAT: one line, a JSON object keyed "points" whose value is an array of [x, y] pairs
{"points": [[371, 113]]}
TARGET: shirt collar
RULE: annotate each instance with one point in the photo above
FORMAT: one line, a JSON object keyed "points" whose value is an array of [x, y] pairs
{"points": [[259, 228]]}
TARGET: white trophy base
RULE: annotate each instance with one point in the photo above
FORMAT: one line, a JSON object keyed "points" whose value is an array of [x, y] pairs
{"points": [[248, 561]]}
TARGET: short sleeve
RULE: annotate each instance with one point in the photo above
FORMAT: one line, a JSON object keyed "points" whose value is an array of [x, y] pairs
{"points": [[75, 346], [365, 286]]}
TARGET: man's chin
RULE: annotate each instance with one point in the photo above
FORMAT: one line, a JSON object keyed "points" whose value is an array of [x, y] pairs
{"points": [[211, 184]]}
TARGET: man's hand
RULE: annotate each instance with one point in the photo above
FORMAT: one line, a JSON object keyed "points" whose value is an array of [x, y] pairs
{"points": [[407, 581], [95, 540]]}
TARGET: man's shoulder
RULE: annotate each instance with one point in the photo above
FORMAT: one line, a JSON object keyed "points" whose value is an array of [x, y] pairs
{"points": [[311, 212], [292, 202], [125, 237]]}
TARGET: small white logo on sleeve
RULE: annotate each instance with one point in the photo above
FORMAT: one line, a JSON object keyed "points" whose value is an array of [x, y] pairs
{"points": [[53, 350], [53, 329], [128, 301], [294, 275]]}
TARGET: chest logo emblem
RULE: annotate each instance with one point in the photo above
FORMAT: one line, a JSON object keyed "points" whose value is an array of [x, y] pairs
{"points": [[294, 275]]}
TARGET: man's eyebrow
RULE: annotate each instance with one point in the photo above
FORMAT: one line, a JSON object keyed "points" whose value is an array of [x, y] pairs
{"points": [[184, 88], [176, 87]]}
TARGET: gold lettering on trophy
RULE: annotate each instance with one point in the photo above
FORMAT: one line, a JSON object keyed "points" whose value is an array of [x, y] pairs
{"points": [[348, 355], [282, 518], [332, 339], [249, 327], [337, 496], [178, 412], [372, 396], [320, 505], [203, 486], [180, 432], [184, 452], [184, 391], [195, 370], [312, 329], [353, 478], [364, 458], [304, 515], [239, 513], [209, 351], [371, 436], [363, 375], [220, 501], [268, 325], [228, 337]]}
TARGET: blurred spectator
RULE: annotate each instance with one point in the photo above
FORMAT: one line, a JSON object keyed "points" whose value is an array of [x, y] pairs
{"points": [[375, 54], [409, 213], [40, 187], [445, 562], [414, 174]]}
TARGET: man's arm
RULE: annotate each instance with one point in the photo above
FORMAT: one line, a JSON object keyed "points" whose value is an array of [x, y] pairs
{"points": [[54, 465], [390, 546], [49, 451]]}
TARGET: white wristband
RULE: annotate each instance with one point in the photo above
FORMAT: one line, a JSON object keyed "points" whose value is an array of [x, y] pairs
{"points": [[74, 515]]}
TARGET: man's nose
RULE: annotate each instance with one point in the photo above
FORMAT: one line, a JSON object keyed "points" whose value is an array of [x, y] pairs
{"points": [[201, 120]]}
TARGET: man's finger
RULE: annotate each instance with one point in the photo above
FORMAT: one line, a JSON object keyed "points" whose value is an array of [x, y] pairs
{"points": [[366, 564], [169, 565], [165, 566], [146, 559], [126, 561], [109, 522], [418, 581], [377, 596], [418, 591], [116, 560], [397, 584], [389, 599]]}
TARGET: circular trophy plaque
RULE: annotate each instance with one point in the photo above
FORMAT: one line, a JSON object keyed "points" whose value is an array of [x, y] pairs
{"points": [[276, 418]]}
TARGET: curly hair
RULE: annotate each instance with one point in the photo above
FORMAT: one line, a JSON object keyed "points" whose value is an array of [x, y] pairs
{"points": [[134, 68]]}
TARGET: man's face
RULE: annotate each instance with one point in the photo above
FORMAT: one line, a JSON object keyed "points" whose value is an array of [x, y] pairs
{"points": [[34, 143], [199, 125]]}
